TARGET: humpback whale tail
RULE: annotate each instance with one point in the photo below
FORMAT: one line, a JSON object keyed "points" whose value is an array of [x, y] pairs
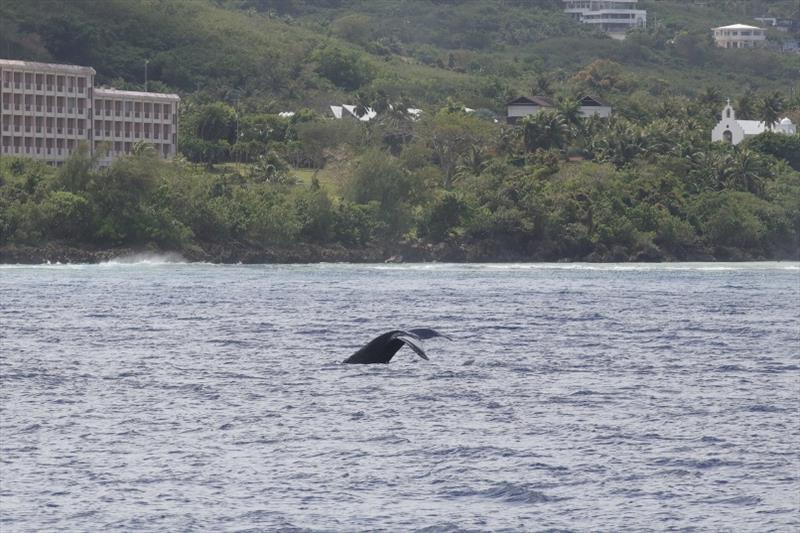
{"points": [[382, 348]]}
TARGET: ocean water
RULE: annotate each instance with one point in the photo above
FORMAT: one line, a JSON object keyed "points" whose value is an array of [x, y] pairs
{"points": [[157, 396]]}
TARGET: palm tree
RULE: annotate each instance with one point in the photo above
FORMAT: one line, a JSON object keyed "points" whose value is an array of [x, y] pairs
{"points": [[620, 143], [770, 108], [708, 170], [746, 171], [710, 100], [570, 111], [363, 104], [745, 105], [545, 129], [395, 122], [474, 161], [542, 85]]}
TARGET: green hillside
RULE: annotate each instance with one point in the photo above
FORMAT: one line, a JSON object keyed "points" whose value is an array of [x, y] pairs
{"points": [[475, 51]]}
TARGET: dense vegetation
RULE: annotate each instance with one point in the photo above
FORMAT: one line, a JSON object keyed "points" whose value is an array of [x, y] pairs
{"points": [[646, 184]]}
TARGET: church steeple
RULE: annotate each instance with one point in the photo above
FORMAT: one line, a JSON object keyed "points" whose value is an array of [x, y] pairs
{"points": [[728, 112]]}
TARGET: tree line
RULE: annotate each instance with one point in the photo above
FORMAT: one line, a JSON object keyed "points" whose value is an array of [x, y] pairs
{"points": [[646, 184]]}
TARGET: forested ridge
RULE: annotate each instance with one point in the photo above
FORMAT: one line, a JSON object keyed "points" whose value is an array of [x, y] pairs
{"points": [[455, 182]]}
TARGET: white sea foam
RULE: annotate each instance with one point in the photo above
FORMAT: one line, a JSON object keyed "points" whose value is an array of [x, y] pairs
{"points": [[605, 267], [146, 258]]}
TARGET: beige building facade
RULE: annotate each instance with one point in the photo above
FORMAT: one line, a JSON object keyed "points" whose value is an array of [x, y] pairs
{"points": [[123, 118], [47, 110], [739, 36]]}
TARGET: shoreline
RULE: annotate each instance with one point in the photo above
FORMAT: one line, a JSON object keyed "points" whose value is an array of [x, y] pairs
{"points": [[237, 253]]}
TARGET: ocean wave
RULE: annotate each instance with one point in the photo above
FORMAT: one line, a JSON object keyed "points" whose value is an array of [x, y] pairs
{"points": [[146, 258]]}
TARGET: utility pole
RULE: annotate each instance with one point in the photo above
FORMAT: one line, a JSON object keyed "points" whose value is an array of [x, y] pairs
{"points": [[146, 61]]}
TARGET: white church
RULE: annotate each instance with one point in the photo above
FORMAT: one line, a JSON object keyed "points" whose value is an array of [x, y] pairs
{"points": [[733, 131]]}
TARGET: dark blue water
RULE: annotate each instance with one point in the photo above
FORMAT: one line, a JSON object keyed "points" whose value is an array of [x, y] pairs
{"points": [[175, 397]]}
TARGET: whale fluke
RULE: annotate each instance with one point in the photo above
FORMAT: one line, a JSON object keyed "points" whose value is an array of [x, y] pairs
{"points": [[382, 348]]}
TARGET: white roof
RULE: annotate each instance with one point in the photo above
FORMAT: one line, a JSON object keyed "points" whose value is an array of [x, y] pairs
{"points": [[786, 121], [33, 65], [738, 27], [108, 92], [752, 127], [340, 110], [369, 115], [286, 114]]}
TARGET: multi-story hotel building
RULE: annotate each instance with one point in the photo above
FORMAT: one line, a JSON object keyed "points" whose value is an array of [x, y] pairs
{"points": [[614, 17], [47, 110], [123, 118]]}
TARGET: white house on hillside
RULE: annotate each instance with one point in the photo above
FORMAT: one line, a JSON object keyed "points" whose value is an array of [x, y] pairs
{"points": [[734, 131], [739, 36], [523, 106], [614, 17]]}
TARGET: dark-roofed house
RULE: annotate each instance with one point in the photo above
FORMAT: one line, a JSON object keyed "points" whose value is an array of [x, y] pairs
{"points": [[526, 105], [591, 105], [523, 106]]}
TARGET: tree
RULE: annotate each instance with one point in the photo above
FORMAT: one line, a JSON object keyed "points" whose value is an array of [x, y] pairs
{"points": [[344, 69], [358, 29], [746, 105], [746, 171], [601, 76], [620, 143], [380, 179], [569, 110], [545, 129], [450, 135], [271, 168], [770, 108], [213, 122], [778, 145]]}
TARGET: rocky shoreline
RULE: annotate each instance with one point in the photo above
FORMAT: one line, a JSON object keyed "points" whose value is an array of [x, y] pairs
{"points": [[233, 253], [55, 253]]}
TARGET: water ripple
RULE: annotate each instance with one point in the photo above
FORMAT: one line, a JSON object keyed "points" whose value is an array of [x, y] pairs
{"points": [[150, 394]]}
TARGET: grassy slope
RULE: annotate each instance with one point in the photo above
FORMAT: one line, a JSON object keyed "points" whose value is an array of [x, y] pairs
{"points": [[232, 50]]}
